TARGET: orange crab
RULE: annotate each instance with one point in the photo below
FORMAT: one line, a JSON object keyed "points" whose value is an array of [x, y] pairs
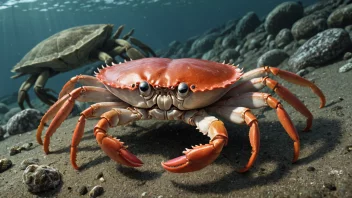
{"points": [[181, 89]]}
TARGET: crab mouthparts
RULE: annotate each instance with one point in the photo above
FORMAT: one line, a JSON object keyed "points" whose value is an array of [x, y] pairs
{"points": [[164, 101]]}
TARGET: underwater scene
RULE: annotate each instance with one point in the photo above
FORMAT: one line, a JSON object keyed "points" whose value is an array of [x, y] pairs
{"points": [[175, 98]]}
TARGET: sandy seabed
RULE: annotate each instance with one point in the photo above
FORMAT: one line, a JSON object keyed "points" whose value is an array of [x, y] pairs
{"points": [[324, 168]]}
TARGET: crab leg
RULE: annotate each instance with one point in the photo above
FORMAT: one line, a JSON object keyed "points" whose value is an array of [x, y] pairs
{"points": [[256, 84], [113, 147], [286, 75], [81, 79], [94, 110], [62, 108], [242, 115], [258, 100], [202, 155]]}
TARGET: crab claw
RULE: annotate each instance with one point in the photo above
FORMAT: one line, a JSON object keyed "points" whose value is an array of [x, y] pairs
{"points": [[116, 150], [200, 156]]}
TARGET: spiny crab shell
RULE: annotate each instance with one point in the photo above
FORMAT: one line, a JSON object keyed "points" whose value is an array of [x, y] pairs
{"points": [[207, 80]]}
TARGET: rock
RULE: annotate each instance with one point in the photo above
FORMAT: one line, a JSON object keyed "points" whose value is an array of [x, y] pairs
{"points": [[347, 56], [5, 164], [229, 27], [272, 58], [41, 178], [23, 121], [96, 191], [341, 17], [345, 68], [283, 38], [247, 24], [25, 163], [283, 16], [172, 49], [204, 43], [229, 41], [228, 54], [3, 108], [321, 48], [302, 72], [308, 26], [209, 55], [11, 113], [83, 190]]}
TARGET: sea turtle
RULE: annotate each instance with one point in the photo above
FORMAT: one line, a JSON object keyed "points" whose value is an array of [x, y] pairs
{"points": [[71, 49]]}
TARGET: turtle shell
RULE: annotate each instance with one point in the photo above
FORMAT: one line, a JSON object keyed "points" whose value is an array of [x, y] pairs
{"points": [[199, 75], [65, 50]]}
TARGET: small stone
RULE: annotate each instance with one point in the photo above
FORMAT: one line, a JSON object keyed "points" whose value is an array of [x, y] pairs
{"points": [[14, 150], [96, 191], [144, 194], [99, 175], [28, 162], [102, 179], [330, 186], [5, 164], [347, 56], [345, 68], [83, 190], [349, 148], [26, 146], [310, 169], [302, 72]]}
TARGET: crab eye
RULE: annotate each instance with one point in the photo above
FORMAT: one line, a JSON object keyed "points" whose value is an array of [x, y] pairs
{"points": [[144, 88], [182, 89]]}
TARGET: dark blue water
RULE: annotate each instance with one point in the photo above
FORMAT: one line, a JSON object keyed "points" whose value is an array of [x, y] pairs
{"points": [[25, 23]]}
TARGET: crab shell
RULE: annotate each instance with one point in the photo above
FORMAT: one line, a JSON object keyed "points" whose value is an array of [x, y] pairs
{"points": [[207, 81]]}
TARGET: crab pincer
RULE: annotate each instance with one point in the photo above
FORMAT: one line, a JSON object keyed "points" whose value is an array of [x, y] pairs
{"points": [[202, 155]]}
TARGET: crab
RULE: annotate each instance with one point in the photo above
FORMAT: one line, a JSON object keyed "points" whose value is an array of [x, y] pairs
{"points": [[71, 49], [191, 90]]}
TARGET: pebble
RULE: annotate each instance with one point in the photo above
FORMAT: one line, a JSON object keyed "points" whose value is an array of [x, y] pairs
{"points": [[83, 190], [99, 175], [96, 191], [302, 72], [347, 56], [28, 162], [5, 164], [330, 186], [102, 179], [349, 148], [17, 149], [310, 169], [345, 68]]}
